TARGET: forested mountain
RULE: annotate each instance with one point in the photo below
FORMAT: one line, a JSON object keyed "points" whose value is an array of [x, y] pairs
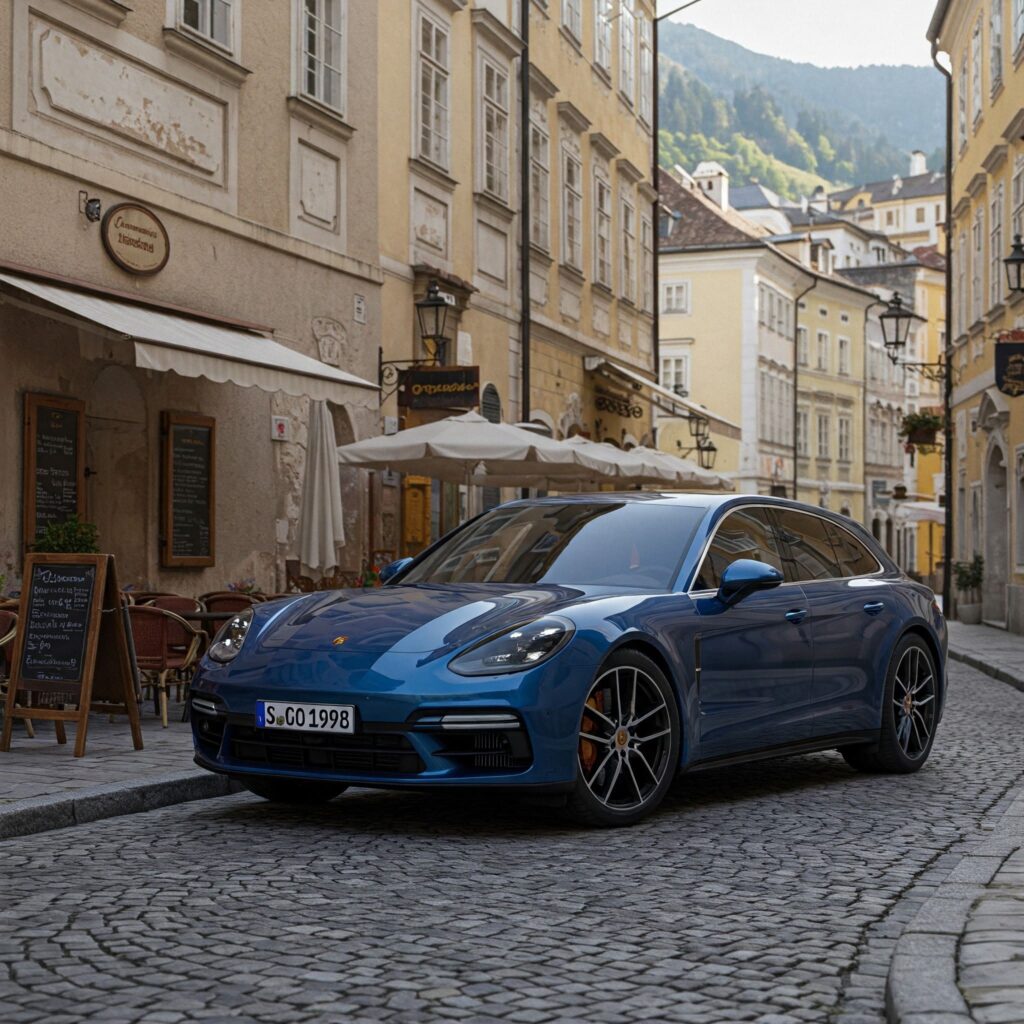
{"points": [[788, 125]]}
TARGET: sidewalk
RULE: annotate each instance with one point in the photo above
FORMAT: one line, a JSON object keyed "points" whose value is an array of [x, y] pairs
{"points": [[43, 786], [961, 960]]}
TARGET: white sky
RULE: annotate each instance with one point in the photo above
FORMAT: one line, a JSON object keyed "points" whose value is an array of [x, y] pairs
{"points": [[825, 32]]}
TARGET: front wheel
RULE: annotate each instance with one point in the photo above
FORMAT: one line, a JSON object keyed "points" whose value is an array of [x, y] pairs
{"points": [[628, 746], [909, 713], [293, 791]]}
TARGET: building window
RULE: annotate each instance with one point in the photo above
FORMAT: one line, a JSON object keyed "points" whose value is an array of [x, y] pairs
{"points": [[995, 247], [961, 104], [627, 225], [572, 17], [801, 433], [647, 273], [540, 177], [603, 35], [976, 76], [675, 373], [572, 210], [210, 18], [844, 356], [845, 429], [977, 263], [1018, 23], [494, 118], [824, 440], [323, 51], [602, 228], [646, 69], [433, 91], [803, 348], [1019, 509], [960, 293], [627, 55], [995, 43], [675, 297], [1017, 195], [919, 215], [823, 350]]}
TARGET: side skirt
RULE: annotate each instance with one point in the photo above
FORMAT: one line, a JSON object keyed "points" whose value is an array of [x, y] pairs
{"points": [[785, 750]]}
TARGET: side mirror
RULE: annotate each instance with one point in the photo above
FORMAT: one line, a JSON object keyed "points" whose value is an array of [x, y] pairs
{"points": [[744, 576], [392, 569]]}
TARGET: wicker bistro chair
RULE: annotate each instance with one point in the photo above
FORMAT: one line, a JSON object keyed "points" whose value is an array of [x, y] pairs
{"points": [[164, 644], [229, 601], [8, 631], [180, 606]]}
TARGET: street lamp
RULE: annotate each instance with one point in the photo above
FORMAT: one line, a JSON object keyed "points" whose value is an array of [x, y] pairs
{"points": [[432, 313], [896, 322], [699, 427], [1015, 266], [707, 451]]}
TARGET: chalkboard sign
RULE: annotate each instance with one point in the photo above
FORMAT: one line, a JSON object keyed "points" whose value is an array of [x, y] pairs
{"points": [[71, 654], [188, 535], [54, 483]]}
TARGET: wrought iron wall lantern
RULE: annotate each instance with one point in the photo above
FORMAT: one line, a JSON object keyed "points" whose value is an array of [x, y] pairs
{"points": [[706, 449], [896, 322], [1014, 264], [432, 318]]}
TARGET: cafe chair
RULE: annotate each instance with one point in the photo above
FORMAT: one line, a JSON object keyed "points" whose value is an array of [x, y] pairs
{"points": [[8, 632], [337, 580], [229, 601], [174, 603], [301, 584], [165, 644]]}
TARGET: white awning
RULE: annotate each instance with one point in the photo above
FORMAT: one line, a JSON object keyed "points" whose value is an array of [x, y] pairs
{"points": [[197, 348], [667, 401]]}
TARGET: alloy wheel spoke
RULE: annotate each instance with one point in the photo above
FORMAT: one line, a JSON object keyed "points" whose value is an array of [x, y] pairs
{"points": [[639, 753], [653, 736], [644, 717], [924, 725], [924, 700], [615, 778], [632, 699], [595, 738], [598, 714], [903, 732], [594, 775], [636, 785], [618, 696], [917, 735], [921, 685]]}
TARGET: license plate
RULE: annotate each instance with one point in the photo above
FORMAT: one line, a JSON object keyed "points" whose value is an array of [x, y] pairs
{"points": [[272, 714]]}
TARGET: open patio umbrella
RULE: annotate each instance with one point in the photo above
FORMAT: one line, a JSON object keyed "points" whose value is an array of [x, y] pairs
{"points": [[461, 448], [684, 474], [321, 529]]}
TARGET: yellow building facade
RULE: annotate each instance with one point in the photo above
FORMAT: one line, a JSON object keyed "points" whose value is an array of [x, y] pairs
{"points": [[452, 196], [984, 43]]}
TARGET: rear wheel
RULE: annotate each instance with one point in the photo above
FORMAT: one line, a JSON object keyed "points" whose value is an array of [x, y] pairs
{"points": [[293, 791], [628, 746], [909, 713]]}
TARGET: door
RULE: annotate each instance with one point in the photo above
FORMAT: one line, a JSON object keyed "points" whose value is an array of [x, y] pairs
{"points": [[851, 614], [755, 657]]}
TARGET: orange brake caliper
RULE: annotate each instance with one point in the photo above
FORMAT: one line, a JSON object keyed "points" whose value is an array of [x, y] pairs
{"points": [[588, 750]]}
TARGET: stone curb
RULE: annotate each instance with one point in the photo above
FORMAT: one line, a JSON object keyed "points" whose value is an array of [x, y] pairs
{"points": [[111, 800], [921, 987], [1014, 680]]}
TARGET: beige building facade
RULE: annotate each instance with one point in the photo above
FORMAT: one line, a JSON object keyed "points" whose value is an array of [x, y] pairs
{"points": [[244, 139]]}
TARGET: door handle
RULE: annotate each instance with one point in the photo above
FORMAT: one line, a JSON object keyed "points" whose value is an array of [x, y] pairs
{"points": [[797, 615], [874, 607]]}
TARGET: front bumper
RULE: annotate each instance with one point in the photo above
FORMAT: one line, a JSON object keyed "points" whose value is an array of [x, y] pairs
{"points": [[417, 724]]}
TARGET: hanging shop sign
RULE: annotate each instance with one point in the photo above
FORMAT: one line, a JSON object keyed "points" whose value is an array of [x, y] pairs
{"points": [[71, 654], [439, 387], [135, 239], [1009, 350], [620, 405]]}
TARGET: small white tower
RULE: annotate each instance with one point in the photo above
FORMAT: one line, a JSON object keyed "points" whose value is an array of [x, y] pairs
{"points": [[713, 180], [918, 163]]}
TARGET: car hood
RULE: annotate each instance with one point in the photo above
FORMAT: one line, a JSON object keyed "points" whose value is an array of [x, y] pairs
{"points": [[412, 619]]}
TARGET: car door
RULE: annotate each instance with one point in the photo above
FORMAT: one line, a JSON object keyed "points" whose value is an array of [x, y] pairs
{"points": [[850, 613], [754, 658]]}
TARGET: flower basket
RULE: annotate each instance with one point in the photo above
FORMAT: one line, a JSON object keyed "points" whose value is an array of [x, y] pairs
{"points": [[921, 436]]}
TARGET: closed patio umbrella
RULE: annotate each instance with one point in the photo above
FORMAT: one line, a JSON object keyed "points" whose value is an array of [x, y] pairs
{"points": [[321, 529]]}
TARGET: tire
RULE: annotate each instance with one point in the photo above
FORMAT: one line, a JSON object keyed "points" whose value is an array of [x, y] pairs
{"points": [[909, 713], [624, 772], [297, 792]]}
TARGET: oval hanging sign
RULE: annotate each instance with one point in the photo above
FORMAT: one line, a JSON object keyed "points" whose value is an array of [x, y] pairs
{"points": [[135, 239]]}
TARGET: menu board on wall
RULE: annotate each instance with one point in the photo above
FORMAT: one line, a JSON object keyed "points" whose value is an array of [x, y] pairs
{"points": [[54, 482], [187, 524]]}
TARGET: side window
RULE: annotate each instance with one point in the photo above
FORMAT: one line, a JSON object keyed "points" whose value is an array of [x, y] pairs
{"points": [[745, 533], [807, 547], [854, 558]]}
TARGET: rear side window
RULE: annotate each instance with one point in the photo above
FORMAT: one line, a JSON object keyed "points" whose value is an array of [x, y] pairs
{"points": [[854, 558], [745, 533], [808, 553]]}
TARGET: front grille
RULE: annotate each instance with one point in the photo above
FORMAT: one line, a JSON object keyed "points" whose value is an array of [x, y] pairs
{"points": [[386, 752], [487, 751]]}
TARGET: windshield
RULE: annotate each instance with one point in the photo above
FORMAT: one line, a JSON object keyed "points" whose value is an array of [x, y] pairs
{"points": [[614, 544]]}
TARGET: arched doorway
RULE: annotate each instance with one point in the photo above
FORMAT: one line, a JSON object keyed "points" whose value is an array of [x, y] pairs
{"points": [[993, 596]]}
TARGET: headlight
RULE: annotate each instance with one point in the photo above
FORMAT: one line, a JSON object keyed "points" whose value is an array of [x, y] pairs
{"points": [[518, 649], [228, 641]]}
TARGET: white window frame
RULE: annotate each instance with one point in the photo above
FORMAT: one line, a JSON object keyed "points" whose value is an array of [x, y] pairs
{"points": [[319, 92], [204, 15], [803, 429], [977, 263], [822, 354], [995, 246], [572, 18], [961, 105], [675, 369], [627, 51], [1017, 24], [602, 226], [433, 134], [540, 180], [646, 35], [844, 431], [603, 35], [572, 210], [494, 92], [844, 355], [1017, 196], [824, 448], [995, 44], [647, 263], [803, 346], [628, 234], [675, 297], [976, 74], [960, 262]]}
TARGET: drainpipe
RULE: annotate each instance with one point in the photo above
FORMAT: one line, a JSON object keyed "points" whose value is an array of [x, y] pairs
{"points": [[864, 406], [655, 209], [947, 381], [796, 387], [524, 209]]}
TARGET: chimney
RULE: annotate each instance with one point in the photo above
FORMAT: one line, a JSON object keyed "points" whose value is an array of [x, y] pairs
{"points": [[918, 163], [712, 180]]}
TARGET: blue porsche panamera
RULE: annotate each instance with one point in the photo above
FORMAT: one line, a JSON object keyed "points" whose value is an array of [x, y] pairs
{"points": [[592, 646]]}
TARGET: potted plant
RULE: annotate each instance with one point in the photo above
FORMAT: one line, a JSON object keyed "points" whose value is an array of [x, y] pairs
{"points": [[69, 537], [920, 428], [969, 577]]}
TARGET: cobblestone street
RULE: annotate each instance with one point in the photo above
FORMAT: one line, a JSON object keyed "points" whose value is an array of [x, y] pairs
{"points": [[770, 893]]}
